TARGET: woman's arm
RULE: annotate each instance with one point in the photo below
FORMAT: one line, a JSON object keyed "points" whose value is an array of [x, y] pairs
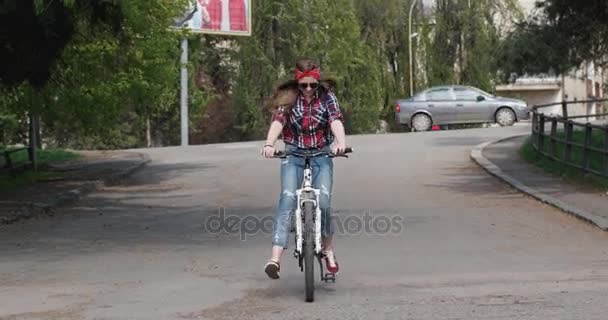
{"points": [[273, 134], [335, 118], [337, 128]]}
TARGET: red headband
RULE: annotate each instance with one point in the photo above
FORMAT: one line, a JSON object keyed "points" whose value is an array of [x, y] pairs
{"points": [[314, 73]]}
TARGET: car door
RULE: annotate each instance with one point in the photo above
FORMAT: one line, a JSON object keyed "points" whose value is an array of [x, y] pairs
{"points": [[469, 107], [440, 103]]}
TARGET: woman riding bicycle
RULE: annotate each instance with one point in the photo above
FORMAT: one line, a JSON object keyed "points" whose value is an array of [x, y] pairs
{"points": [[308, 116]]}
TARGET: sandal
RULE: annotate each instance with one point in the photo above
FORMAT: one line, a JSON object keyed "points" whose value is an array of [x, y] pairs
{"points": [[329, 260], [272, 269]]}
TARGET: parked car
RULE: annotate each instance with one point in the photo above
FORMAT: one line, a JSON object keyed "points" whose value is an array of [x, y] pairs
{"points": [[444, 105]]}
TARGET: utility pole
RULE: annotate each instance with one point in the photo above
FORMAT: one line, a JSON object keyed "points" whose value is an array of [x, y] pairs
{"points": [[182, 22], [184, 92]]}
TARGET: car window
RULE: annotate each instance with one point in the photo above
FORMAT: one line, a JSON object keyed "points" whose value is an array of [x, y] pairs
{"points": [[465, 94], [419, 97], [483, 93], [439, 94]]}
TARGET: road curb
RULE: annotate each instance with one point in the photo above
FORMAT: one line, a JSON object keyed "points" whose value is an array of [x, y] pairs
{"points": [[489, 166], [28, 210]]}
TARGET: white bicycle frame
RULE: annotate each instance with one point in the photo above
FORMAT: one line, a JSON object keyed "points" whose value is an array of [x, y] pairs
{"points": [[307, 188]]}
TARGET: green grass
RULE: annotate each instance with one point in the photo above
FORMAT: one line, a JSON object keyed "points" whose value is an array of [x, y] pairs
{"points": [[44, 156], [8, 182], [28, 177], [568, 173]]}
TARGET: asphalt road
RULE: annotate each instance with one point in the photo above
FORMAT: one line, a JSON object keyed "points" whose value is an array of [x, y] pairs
{"points": [[428, 235]]}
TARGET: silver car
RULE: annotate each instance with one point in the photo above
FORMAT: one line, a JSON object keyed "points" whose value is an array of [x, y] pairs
{"points": [[457, 105]]}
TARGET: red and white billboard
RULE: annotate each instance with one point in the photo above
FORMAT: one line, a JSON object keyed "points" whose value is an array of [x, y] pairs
{"points": [[227, 17]]}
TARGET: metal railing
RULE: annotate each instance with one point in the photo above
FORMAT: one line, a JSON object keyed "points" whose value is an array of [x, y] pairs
{"points": [[582, 145]]}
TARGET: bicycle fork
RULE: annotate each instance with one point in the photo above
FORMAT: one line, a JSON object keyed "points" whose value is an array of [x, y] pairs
{"points": [[304, 195]]}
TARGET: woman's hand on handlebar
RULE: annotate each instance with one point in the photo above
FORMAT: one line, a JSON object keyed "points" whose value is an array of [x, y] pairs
{"points": [[268, 151], [338, 149]]}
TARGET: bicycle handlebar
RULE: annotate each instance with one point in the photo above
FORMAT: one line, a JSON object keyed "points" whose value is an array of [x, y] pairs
{"points": [[282, 154]]}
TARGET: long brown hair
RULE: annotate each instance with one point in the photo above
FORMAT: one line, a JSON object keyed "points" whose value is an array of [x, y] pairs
{"points": [[287, 92]]}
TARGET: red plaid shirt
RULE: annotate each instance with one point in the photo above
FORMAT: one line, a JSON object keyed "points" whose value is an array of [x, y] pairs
{"points": [[308, 126]]}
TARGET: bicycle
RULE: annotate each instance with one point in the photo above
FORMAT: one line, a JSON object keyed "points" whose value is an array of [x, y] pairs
{"points": [[308, 222]]}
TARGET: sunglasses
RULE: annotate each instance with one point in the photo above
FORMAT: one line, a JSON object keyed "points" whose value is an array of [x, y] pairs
{"points": [[304, 85]]}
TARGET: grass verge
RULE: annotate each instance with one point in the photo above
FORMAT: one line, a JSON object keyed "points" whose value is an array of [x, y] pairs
{"points": [[569, 174], [28, 177]]}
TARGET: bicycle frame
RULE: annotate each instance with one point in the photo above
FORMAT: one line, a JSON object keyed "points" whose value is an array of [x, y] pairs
{"points": [[307, 194]]}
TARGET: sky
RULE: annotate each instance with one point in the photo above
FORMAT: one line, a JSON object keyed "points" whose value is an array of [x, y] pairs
{"points": [[527, 5]]}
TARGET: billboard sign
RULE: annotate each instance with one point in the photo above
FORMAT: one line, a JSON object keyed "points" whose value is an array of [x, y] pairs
{"points": [[226, 17]]}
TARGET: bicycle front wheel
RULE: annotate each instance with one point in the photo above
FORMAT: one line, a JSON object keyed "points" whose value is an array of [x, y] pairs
{"points": [[309, 254]]}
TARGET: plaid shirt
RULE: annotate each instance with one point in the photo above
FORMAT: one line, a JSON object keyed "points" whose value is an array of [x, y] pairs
{"points": [[308, 126]]}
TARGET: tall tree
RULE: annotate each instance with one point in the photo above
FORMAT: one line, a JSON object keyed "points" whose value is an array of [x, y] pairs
{"points": [[460, 39], [326, 31], [561, 35], [120, 63]]}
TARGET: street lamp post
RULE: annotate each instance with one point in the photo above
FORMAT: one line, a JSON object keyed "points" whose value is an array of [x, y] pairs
{"points": [[184, 93], [181, 23], [409, 34]]}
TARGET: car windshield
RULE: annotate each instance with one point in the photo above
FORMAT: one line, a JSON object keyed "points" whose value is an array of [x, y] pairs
{"points": [[483, 92]]}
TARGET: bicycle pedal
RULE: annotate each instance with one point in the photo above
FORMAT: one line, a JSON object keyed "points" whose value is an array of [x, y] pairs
{"points": [[330, 277]]}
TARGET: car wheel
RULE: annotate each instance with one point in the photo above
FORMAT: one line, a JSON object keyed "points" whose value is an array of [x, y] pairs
{"points": [[422, 122], [505, 117]]}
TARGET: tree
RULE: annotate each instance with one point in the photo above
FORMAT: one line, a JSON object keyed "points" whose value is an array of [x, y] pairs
{"points": [[104, 75], [33, 34], [120, 62], [560, 35], [459, 41], [326, 31], [384, 28]]}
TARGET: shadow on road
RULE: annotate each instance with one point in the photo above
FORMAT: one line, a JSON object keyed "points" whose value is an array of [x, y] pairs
{"points": [[157, 173], [147, 209], [471, 180]]}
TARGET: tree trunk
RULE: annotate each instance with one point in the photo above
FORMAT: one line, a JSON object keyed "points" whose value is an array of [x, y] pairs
{"points": [[34, 133], [37, 131], [148, 133]]}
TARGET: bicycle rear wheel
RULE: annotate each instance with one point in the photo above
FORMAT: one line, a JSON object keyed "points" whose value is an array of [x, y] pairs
{"points": [[309, 254]]}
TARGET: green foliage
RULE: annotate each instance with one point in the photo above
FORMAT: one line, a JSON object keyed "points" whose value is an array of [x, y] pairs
{"points": [[532, 50], [463, 45], [383, 25], [325, 31], [115, 83], [104, 75], [45, 156], [560, 36], [10, 183]]}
